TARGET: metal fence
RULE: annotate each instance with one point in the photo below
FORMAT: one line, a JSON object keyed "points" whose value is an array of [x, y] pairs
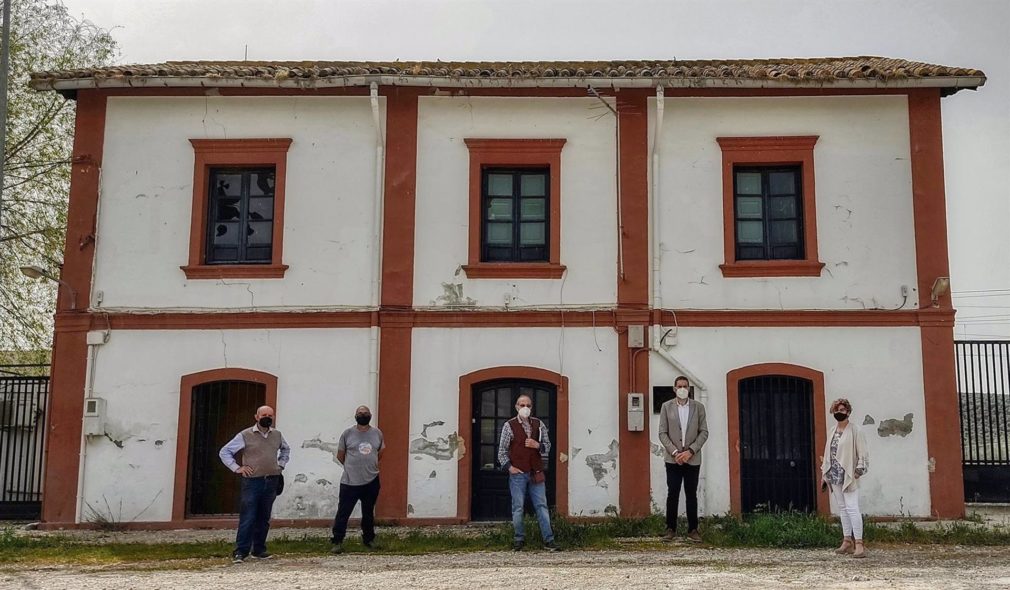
{"points": [[23, 402], [983, 385]]}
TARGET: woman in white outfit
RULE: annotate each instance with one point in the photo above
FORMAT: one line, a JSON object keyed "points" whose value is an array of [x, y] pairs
{"points": [[845, 460]]}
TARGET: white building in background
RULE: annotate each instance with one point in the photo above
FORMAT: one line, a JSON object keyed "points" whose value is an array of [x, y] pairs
{"points": [[433, 239]]}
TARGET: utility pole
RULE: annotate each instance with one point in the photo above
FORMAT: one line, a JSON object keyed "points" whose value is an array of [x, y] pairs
{"points": [[5, 52]]}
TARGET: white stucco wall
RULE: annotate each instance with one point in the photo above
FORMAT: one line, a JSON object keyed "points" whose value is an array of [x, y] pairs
{"points": [[865, 233], [878, 369], [586, 356], [322, 376], [588, 197], [147, 195]]}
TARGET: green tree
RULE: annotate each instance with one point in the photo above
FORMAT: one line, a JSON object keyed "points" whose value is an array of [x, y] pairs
{"points": [[40, 130]]}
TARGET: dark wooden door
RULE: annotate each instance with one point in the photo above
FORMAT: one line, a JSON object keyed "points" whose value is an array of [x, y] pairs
{"points": [[776, 444], [220, 411], [493, 404]]}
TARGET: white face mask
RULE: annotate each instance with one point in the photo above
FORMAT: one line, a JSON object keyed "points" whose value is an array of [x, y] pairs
{"points": [[682, 392], [524, 412]]}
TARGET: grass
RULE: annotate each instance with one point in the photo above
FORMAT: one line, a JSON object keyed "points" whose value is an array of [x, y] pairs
{"points": [[786, 530]]}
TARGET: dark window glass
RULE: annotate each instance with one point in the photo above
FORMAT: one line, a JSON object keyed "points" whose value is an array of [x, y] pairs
{"points": [[240, 220], [767, 205], [515, 224]]}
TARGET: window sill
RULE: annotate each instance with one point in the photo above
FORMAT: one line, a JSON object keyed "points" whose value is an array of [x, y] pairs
{"points": [[514, 270], [772, 268], [235, 271]]}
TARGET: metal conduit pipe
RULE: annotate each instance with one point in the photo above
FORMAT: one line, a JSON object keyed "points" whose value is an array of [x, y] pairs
{"points": [[373, 336]]}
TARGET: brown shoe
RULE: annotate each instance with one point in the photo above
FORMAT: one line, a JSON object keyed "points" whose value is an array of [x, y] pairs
{"points": [[669, 534], [694, 537], [845, 547], [860, 551]]}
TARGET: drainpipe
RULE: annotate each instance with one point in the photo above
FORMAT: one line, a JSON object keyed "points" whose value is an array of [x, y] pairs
{"points": [[373, 337]]}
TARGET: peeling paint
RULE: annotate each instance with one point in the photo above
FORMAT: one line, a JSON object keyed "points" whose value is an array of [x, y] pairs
{"points": [[328, 447], [118, 443], [610, 510], [424, 430], [442, 448], [563, 457], [894, 426], [596, 463], [932, 465], [301, 478], [452, 295], [158, 444], [575, 452], [410, 508], [324, 482], [868, 420], [432, 474], [656, 450]]}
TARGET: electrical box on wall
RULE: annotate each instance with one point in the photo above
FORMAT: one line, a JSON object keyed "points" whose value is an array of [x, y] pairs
{"points": [[636, 336], [94, 416], [636, 412]]}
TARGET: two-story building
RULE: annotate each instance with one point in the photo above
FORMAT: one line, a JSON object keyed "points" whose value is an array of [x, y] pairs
{"points": [[433, 239]]}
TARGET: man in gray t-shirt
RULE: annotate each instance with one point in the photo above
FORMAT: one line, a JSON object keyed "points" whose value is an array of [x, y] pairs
{"points": [[359, 451]]}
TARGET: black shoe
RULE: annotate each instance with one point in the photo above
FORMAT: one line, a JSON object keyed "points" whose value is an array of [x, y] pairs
{"points": [[263, 555], [337, 549], [550, 546], [237, 557], [517, 546]]}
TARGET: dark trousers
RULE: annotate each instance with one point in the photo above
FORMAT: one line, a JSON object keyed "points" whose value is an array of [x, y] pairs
{"points": [[689, 475], [349, 496], [258, 495]]}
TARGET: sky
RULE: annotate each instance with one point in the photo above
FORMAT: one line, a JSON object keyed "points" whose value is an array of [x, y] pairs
{"points": [[969, 33]]}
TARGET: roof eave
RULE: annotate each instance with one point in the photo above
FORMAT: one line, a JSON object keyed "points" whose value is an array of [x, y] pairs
{"points": [[950, 83]]}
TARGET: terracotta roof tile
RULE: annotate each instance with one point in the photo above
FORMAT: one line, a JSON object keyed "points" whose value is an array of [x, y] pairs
{"points": [[842, 71]]}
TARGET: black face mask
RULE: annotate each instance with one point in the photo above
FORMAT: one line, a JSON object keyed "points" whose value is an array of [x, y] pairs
{"points": [[363, 419], [840, 416], [266, 422]]}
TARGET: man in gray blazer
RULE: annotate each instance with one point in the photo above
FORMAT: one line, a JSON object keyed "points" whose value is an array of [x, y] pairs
{"points": [[683, 430]]}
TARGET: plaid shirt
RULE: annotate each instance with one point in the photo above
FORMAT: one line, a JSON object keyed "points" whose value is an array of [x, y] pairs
{"points": [[506, 442]]}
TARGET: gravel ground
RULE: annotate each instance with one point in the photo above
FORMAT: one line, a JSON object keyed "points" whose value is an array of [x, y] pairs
{"points": [[921, 567]]}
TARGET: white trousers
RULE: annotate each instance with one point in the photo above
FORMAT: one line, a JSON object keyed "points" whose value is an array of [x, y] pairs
{"points": [[848, 512]]}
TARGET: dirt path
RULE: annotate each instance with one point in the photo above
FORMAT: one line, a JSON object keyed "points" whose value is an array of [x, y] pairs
{"points": [[743, 569]]}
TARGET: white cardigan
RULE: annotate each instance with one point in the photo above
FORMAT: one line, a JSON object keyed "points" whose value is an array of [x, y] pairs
{"points": [[852, 453]]}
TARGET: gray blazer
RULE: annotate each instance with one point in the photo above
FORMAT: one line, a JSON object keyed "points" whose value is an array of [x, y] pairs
{"points": [[670, 430]]}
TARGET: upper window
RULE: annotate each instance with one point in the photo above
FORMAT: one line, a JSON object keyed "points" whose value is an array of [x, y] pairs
{"points": [[241, 215], [516, 215], [238, 208], [769, 213], [515, 209], [769, 218]]}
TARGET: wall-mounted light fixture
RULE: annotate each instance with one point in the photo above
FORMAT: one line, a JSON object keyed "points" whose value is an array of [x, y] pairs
{"points": [[939, 289], [37, 272]]}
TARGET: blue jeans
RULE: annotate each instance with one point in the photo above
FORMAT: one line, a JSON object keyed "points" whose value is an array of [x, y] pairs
{"points": [[519, 485], [258, 495]]}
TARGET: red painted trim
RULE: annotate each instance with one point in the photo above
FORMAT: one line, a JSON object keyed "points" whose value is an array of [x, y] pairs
{"points": [[395, 358], [465, 430], [400, 188], [235, 152], [733, 423], [633, 294], [514, 153], [770, 151], [189, 382], [943, 438], [66, 403], [82, 322]]}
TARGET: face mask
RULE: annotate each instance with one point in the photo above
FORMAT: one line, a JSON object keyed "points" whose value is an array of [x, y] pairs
{"points": [[266, 421], [682, 392], [840, 416], [524, 412], [363, 419]]}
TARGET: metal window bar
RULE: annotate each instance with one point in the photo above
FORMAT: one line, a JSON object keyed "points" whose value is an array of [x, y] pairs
{"points": [[983, 385], [23, 402]]}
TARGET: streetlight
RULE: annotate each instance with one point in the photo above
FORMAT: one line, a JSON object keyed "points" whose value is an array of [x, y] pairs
{"points": [[34, 271]]}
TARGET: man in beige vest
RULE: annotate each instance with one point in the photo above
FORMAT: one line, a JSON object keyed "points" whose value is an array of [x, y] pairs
{"points": [[264, 455], [683, 430]]}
